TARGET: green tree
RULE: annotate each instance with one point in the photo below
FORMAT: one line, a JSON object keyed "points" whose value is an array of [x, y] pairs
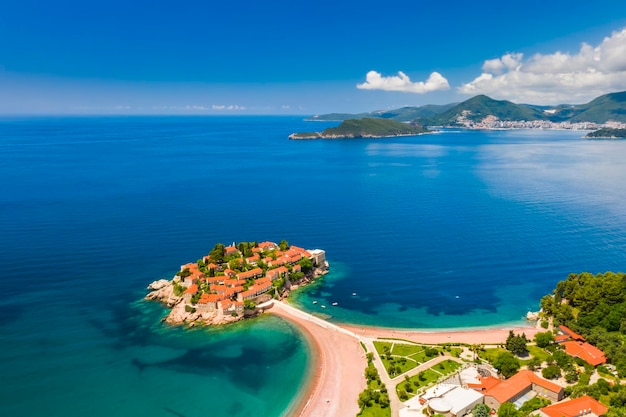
{"points": [[480, 410], [249, 305], [506, 364], [508, 410], [534, 363], [551, 372], [283, 245], [543, 339], [306, 264]]}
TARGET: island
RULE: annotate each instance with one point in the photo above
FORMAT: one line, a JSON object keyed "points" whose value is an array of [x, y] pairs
{"points": [[365, 128], [607, 133], [231, 282]]}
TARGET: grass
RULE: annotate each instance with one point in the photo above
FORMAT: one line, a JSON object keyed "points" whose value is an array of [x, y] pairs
{"points": [[429, 376], [381, 345], [490, 354], [537, 352], [399, 362], [405, 349], [447, 367], [375, 410]]}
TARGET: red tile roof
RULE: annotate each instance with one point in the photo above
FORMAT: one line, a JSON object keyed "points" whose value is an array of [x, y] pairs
{"points": [[517, 384], [573, 408], [267, 245], [571, 333], [193, 288], [583, 350], [250, 274]]}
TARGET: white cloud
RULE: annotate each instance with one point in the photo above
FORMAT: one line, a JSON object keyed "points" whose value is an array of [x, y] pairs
{"points": [[554, 78], [225, 107], [401, 82]]}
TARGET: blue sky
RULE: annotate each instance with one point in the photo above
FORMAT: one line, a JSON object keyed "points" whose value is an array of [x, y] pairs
{"points": [[286, 57]]}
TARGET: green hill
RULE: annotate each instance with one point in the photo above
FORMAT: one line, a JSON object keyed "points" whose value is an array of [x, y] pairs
{"points": [[479, 107], [600, 110], [364, 128], [607, 133]]}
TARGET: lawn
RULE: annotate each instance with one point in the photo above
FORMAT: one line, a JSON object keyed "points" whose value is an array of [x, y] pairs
{"points": [[380, 346], [538, 352], [447, 367], [490, 354], [428, 378], [405, 349], [402, 363], [375, 411]]}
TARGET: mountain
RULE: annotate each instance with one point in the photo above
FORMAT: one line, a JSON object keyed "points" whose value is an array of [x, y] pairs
{"points": [[364, 128], [479, 107], [600, 110]]}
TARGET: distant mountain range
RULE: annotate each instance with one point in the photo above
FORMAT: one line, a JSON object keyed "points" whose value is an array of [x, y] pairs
{"points": [[600, 110]]}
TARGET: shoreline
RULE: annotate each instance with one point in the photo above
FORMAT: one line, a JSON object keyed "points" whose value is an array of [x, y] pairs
{"points": [[336, 372]]}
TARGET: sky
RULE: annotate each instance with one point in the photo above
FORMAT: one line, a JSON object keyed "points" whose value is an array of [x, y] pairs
{"points": [[290, 57]]}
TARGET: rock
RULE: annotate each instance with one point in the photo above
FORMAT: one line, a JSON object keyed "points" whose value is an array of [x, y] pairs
{"points": [[157, 285], [532, 316]]}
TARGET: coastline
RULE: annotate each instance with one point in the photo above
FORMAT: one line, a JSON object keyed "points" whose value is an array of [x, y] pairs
{"points": [[337, 356]]}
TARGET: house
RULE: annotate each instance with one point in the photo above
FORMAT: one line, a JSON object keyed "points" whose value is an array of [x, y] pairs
{"points": [[252, 260], [518, 386], [231, 250], [253, 273], [582, 406], [296, 268], [190, 292], [318, 257], [268, 246], [274, 274], [208, 303], [575, 345], [585, 351]]}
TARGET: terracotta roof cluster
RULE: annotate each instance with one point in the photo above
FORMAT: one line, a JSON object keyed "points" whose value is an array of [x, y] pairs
{"points": [[574, 408]]}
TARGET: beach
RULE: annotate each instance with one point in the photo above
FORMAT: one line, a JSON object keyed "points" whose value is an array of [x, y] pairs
{"points": [[339, 362], [337, 370]]}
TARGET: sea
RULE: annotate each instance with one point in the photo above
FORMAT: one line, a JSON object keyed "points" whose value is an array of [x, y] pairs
{"points": [[458, 229]]}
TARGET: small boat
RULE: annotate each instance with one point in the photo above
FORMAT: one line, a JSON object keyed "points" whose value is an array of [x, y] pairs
{"points": [[323, 306], [315, 302], [335, 303], [354, 294]]}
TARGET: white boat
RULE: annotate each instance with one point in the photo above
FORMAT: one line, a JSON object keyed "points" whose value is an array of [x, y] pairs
{"points": [[335, 303], [323, 306], [315, 302], [354, 294]]}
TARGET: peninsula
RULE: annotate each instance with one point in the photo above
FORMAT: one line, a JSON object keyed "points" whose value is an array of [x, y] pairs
{"points": [[607, 133], [230, 282], [365, 128]]}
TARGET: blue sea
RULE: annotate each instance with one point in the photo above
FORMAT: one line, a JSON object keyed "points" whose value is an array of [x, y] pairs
{"points": [[451, 230]]}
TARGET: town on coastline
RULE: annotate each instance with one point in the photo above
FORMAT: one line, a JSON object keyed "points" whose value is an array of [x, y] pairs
{"points": [[231, 281]]}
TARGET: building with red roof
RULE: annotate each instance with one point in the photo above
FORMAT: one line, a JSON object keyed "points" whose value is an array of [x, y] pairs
{"points": [[572, 334], [585, 351], [253, 273], [582, 406], [518, 385]]}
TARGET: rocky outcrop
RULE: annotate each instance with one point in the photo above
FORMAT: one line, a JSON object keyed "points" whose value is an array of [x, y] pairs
{"points": [[163, 292]]}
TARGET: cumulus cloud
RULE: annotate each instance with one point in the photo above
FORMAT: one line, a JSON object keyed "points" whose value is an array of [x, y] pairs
{"points": [[225, 107], [401, 82], [555, 78]]}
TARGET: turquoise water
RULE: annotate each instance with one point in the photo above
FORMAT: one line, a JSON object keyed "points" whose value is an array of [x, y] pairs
{"points": [[458, 229]]}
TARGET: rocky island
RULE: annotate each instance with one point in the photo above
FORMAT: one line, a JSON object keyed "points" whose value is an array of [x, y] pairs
{"points": [[365, 128], [230, 282]]}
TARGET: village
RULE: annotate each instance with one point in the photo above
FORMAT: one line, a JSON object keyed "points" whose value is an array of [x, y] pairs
{"points": [[227, 284]]}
